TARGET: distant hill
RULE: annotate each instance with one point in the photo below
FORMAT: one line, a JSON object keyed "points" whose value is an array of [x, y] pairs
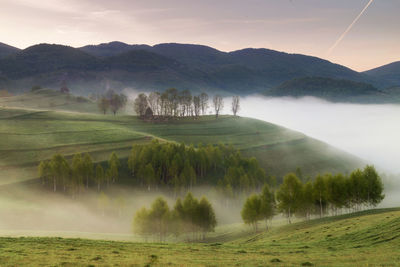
{"points": [[389, 73], [6, 50], [326, 88], [185, 66]]}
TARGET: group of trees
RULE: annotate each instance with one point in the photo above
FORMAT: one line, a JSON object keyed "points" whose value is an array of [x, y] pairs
{"points": [[330, 193], [175, 103], [259, 207], [74, 176], [111, 101], [182, 166], [189, 217], [327, 194]]}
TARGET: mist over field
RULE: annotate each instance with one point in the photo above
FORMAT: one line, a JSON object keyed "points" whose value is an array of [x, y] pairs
{"points": [[370, 132]]}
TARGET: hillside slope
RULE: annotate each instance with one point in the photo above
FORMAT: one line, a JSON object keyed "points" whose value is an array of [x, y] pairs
{"points": [[7, 50], [363, 239], [32, 135], [389, 72]]}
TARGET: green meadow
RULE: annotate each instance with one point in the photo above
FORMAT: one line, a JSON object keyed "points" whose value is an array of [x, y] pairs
{"points": [[32, 130], [369, 238]]}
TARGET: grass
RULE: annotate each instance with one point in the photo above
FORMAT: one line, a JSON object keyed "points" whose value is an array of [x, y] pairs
{"points": [[363, 239], [29, 135]]}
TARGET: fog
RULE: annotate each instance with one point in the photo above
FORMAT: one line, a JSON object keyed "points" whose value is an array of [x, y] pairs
{"points": [[34, 211], [370, 132]]}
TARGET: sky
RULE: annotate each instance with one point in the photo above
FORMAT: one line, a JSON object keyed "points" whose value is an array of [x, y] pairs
{"points": [[308, 27]]}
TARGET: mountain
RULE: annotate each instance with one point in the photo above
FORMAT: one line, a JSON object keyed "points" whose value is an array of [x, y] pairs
{"points": [[111, 49], [326, 88], [185, 66], [6, 50], [389, 73]]}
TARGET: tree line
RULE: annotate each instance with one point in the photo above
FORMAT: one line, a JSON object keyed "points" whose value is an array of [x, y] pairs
{"points": [[175, 103], [75, 176], [150, 166], [182, 167], [327, 194], [191, 217]]}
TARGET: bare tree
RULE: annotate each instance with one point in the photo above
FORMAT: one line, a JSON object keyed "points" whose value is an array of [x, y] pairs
{"points": [[203, 103], [218, 104], [196, 105], [154, 101], [140, 105], [235, 104]]}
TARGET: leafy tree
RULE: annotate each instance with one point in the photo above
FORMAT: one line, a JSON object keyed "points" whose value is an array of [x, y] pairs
{"points": [[113, 165], [117, 101], [88, 171], [289, 195], [251, 212], [267, 204], [206, 216], [99, 176], [320, 192], [44, 171], [373, 193], [160, 216]]}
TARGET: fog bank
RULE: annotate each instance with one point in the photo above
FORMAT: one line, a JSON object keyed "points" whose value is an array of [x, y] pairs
{"points": [[371, 132]]}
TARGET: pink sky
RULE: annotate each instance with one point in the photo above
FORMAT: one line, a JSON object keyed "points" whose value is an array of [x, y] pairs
{"points": [[308, 27]]}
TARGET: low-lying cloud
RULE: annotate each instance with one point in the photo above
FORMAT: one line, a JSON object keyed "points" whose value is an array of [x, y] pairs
{"points": [[370, 132]]}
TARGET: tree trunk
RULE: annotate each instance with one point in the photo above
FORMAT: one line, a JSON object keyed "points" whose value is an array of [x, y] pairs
{"points": [[54, 184]]}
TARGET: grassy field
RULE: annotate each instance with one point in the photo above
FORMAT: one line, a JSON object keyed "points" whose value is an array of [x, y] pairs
{"points": [[368, 238], [33, 133]]}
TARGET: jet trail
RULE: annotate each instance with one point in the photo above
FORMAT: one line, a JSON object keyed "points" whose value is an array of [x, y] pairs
{"points": [[349, 28]]}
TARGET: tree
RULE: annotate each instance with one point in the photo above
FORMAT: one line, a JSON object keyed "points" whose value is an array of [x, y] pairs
{"points": [[104, 104], [44, 171], [77, 172], [113, 165], [141, 224], [267, 204], [196, 105], [218, 104], [140, 104], [289, 195], [320, 192], [251, 212], [99, 176], [235, 104], [204, 103], [88, 168], [160, 216], [59, 170], [206, 216], [373, 186], [153, 102], [117, 102]]}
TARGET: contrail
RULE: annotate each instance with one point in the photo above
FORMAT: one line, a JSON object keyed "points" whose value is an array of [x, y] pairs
{"points": [[349, 28]]}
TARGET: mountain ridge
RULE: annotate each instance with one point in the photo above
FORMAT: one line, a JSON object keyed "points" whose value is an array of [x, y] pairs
{"points": [[92, 68]]}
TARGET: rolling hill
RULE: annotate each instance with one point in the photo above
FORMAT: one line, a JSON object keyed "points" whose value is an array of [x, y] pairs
{"points": [[185, 66], [367, 238], [32, 132]]}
